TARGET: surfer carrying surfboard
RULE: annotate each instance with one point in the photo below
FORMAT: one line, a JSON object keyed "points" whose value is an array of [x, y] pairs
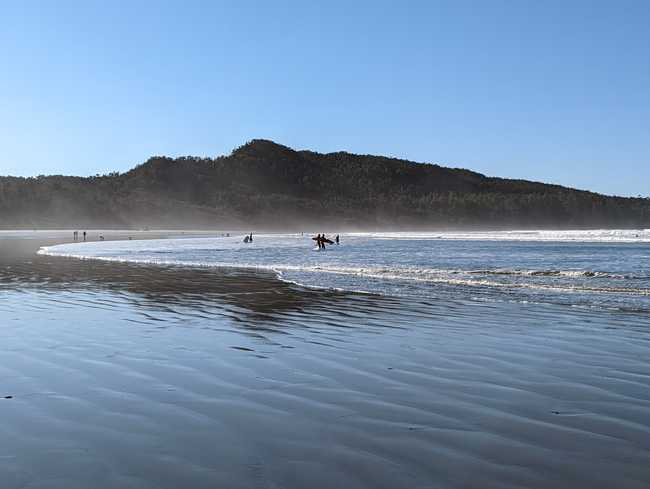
{"points": [[321, 240]]}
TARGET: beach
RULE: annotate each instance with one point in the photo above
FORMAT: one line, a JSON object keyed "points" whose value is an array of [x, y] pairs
{"points": [[166, 375]]}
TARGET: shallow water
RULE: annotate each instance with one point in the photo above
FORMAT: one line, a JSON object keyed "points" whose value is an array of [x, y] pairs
{"points": [[608, 269], [132, 375]]}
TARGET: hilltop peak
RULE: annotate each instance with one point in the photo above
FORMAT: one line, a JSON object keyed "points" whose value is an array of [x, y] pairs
{"points": [[262, 147]]}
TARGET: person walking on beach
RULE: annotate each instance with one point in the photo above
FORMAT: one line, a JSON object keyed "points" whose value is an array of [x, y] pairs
{"points": [[84, 235]]}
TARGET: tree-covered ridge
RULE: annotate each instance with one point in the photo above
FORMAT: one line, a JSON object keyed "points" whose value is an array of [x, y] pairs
{"points": [[265, 184]]}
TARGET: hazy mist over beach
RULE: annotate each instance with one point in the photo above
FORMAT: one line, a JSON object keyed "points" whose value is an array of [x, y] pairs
{"points": [[268, 186]]}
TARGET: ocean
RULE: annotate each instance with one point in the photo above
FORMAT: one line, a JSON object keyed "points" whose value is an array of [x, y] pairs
{"points": [[593, 269], [393, 360]]}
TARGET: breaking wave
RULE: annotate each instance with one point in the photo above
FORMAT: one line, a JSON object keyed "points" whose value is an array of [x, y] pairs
{"points": [[466, 278]]}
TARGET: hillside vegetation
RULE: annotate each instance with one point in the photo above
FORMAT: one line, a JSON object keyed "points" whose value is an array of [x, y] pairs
{"points": [[266, 185]]}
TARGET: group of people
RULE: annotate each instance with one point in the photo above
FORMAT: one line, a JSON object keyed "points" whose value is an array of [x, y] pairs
{"points": [[75, 236], [322, 240]]}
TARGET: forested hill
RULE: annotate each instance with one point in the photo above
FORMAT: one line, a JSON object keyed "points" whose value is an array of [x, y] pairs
{"points": [[265, 185]]}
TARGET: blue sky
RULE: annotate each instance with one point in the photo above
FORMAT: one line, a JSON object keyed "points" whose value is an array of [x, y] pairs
{"points": [[550, 91]]}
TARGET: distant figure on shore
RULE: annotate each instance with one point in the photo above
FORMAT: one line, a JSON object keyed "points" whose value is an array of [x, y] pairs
{"points": [[251, 238], [75, 235], [337, 239], [248, 238], [84, 235]]}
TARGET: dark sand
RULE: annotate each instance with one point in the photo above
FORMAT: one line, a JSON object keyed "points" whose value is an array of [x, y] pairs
{"points": [[166, 377]]}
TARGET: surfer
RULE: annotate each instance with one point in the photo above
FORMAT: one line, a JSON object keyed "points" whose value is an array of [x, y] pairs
{"points": [[246, 239], [337, 239], [320, 241], [250, 240]]}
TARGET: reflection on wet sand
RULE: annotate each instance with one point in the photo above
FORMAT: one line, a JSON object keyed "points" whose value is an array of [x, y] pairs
{"points": [[253, 295], [163, 377]]}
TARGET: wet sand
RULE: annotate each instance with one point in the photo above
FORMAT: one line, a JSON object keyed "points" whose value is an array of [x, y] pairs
{"points": [[118, 375]]}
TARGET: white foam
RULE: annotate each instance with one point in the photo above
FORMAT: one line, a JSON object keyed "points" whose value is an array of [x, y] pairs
{"points": [[586, 236], [394, 273]]}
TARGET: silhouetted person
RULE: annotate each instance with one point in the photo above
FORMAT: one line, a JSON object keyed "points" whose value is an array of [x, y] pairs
{"points": [[251, 238], [337, 239], [84, 235], [323, 240]]}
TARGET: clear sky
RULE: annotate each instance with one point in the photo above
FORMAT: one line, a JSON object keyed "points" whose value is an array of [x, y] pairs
{"points": [[543, 90]]}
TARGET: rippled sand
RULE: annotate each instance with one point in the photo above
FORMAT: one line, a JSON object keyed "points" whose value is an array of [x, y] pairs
{"points": [[145, 377]]}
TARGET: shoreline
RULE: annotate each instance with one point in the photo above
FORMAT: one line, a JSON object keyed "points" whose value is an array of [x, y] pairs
{"points": [[544, 278]]}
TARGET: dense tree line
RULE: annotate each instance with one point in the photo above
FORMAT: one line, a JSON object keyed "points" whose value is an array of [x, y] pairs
{"points": [[265, 184]]}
